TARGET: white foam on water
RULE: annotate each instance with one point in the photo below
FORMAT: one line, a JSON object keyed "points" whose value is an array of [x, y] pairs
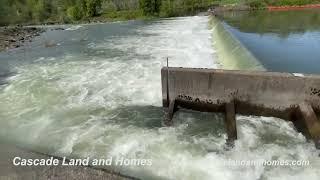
{"points": [[298, 74], [95, 106], [74, 27]]}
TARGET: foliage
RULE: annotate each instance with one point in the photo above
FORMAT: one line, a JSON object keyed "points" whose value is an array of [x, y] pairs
{"points": [[84, 8], [150, 7], [37, 11], [171, 8], [43, 11], [74, 12], [92, 7], [123, 15], [256, 3]]}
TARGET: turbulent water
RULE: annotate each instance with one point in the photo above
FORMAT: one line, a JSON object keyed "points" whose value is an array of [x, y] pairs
{"points": [[98, 94]]}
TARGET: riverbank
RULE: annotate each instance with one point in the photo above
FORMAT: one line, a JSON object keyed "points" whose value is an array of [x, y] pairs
{"points": [[308, 6], [15, 36], [235, 5]]}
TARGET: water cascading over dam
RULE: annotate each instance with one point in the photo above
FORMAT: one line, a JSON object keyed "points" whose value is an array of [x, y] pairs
{"points": [[98, 94], [231, 53]]}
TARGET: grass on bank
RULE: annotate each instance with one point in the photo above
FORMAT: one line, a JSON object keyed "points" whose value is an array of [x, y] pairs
{"points": [[265, 3], [123, 15]]}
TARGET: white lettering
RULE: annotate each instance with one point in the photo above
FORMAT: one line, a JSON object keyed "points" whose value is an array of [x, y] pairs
{"points": [[18, 161], [15, 161]]}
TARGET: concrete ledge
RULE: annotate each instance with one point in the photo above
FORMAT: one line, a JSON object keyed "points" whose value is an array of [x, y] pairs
{"points": [[254, 93], [311, 122], [258, 93]]}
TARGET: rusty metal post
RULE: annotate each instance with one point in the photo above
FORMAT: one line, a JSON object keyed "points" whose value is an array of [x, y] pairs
{"points": [[168, 100], [170, 113], [230, 123]]}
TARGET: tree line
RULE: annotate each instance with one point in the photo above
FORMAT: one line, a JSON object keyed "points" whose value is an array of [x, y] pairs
{"points": [[19, 11], [65, 11], [41, 11]]}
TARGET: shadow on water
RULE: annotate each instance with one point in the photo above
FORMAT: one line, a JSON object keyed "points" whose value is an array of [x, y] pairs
{"points": [[3, 78], [5, 73], [151, 117]]}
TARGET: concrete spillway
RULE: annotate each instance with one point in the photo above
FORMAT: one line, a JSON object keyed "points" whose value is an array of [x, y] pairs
{"points": [[232, 54], [293, 97]]}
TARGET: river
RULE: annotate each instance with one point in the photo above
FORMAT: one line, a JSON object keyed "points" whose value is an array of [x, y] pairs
{"points": [[283, 41], [98, 94]]}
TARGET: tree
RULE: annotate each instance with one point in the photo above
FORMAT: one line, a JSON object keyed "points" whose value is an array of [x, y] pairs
{"points": [[93, 7], [167, 9], [83, 8], [75, 13], [150, 7]]}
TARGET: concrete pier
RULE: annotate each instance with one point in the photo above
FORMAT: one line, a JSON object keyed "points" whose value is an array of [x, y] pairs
{"points": [[293, 97]]}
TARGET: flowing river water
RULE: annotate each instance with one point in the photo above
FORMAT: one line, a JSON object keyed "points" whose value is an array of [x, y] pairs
{"points": [[98, 94]]}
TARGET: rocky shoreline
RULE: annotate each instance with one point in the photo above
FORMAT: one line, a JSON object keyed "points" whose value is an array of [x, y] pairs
{"points": [[15, 36]]}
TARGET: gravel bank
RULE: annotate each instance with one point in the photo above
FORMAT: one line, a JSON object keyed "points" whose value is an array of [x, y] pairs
{"points": [[15, 36]]}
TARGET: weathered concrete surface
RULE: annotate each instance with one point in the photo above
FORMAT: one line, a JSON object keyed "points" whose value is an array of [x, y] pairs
{"points": [[10, 172], [310, 121], [254, 93]]}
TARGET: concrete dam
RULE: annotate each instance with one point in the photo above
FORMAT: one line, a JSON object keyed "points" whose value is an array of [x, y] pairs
{"points": [[243, 87], [102, 98], [293, 97]]}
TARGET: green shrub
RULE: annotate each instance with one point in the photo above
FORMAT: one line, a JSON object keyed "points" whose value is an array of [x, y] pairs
{"points": [[75, 13], [123, 15], [92, 7], [150, 7], [257, 4]]}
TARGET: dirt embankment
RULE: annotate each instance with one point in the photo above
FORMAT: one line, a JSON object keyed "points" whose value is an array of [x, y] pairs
{"points": [[16, 36]]}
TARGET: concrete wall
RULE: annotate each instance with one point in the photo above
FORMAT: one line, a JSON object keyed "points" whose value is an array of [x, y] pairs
{"points": [[256, 93]]}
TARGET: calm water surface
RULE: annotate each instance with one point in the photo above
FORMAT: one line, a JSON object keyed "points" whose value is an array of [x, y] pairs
{"points": [[284, 41]]}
